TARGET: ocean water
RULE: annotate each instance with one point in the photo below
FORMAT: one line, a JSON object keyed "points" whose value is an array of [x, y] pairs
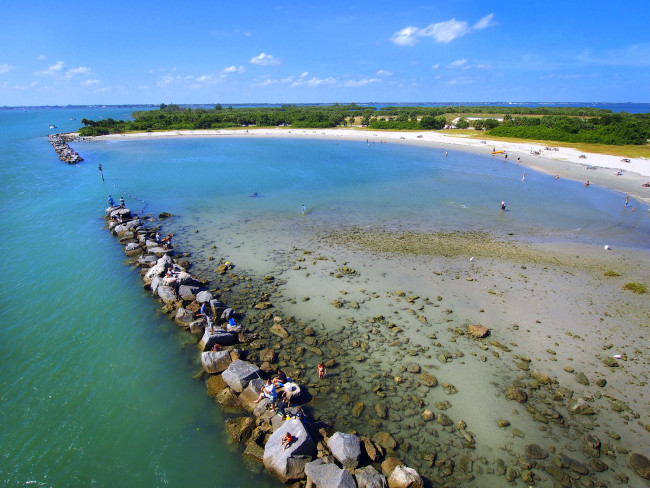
{"points": [[97, 386]]}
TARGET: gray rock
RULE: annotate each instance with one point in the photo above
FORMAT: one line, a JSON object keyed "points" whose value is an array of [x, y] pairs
{"points": [[166, 293], [369, 477], [188, 292], [150, 244], [250, 394], [328, 475], [184, 278], [157, 269], [132, 248], [239, 373], [346, 448], [155, 283], [640, 464], [218, 336], [203, 297], [215, 361], [125, 213], [403, 477], [227, 314], [183, 317], [147, 260], [289, 464], [197, 327], [160, 251], [165, 261]]}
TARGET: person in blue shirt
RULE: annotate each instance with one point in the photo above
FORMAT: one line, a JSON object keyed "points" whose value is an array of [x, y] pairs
{"points": [[111, 202]]}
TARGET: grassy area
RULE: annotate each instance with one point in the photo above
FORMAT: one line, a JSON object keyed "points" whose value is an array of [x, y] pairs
{"points": [[629, 151]]}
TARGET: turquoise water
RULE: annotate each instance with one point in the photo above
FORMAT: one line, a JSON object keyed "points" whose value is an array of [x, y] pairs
{"points": [[97, 386]]}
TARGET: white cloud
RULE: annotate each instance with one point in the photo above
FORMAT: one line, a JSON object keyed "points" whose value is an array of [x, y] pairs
{"points": [[383, 72], [304, 74], [90, 82], [447, 31], [41, 57], [442, 32], [81, 70], [233, 69], [458, 63], [484, 22], [314, 81], [52, 70], [406, 37], [361, 82], [4, 68], [264, 59], [143, 87], [435, 66]]}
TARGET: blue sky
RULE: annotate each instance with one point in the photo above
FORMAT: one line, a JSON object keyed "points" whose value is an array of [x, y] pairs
{"points": [[115, 52]]}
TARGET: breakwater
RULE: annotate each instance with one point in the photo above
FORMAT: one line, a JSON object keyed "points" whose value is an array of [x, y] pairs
{"points": [[60, 144], [280, 435]]}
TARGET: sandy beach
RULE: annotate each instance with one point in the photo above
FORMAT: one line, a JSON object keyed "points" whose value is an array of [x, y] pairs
{"points": [[565, 162]]}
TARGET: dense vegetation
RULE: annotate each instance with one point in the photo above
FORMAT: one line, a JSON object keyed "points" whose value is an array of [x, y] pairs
{"points": [[604, 129], [569, 124]]}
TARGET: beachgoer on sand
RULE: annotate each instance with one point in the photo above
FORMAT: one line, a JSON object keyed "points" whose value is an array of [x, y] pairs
{"points": [[503, 205], [304, 210]]}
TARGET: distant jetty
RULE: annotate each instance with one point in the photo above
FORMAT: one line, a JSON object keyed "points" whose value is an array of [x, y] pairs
{"points": [[60, 144]]}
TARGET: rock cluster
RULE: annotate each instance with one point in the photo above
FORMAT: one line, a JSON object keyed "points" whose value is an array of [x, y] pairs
{"points": [[317, 454], [65, 152]]}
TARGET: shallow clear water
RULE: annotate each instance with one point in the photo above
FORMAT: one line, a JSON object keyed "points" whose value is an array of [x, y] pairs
{"points": [[96, 386]]}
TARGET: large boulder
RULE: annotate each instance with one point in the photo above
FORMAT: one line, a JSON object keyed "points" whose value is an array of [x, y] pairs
{"points": [[188, 292], [369, 477], [239, 373], [132, 248], [289, 464], [217, 335], [203, 296], [166, 294], [147, 260], [155, 283], [328, 475], [215, 361], [403, 477], [184, 278], [160, 251], [227, 314], [157, 269], [346, 448], [125, 213], [183, 317], [197, 327], [250, 394]]}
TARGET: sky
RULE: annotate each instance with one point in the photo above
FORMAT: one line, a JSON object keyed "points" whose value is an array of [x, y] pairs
{"points": [[140, 51]]}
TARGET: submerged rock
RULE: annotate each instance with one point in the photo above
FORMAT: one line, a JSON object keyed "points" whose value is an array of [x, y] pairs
{"points": [[640, 464]]}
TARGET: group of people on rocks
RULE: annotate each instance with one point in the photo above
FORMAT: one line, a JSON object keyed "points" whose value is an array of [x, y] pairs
{"points": [[111, 202], [165, 242]]}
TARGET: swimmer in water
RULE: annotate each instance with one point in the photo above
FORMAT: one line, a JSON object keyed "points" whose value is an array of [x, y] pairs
{"points": [[503, 205]]}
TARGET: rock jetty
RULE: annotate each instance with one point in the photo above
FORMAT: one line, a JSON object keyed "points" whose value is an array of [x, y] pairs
{"points": [[66, 154], [315, 454]]}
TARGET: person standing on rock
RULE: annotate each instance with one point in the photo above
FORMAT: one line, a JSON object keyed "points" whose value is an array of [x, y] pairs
{"points": [[111, 202], [121, 202]]}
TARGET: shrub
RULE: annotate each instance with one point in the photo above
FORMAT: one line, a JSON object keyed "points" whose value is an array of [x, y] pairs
{"points": [[611, 272], [635, 287]]}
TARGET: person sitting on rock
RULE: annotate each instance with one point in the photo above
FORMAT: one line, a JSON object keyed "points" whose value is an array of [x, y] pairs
{"points": [[286, 441], [280, 379], [268, 391], [169, 278]]}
